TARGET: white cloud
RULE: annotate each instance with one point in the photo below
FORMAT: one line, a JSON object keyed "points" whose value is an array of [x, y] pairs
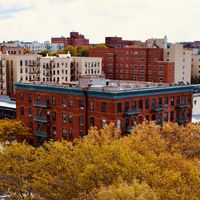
{"points": [[131, 19]]}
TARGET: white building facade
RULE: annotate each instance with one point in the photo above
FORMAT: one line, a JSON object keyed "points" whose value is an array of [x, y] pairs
{"points": [[35, 46], [196, 64], [33, 68], [182, 59]]}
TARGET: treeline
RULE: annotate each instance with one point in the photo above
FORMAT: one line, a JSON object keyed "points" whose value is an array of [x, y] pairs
{"points": [[82, 51], [151, 163]]}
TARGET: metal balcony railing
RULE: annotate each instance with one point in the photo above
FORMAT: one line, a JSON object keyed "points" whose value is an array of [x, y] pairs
{"points": [[40, 119], [181, 105], [42, 134], [157, 108], [182, 120], [134, 111], [41, 104]]}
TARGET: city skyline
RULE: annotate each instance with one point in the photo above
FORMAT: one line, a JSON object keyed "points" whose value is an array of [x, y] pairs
{"points": [[32, 20]]}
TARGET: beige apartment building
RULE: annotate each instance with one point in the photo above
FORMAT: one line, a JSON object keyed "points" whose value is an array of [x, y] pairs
{"points": [[32, 68], [195, 64], [20, 68], [182, 58], [3, 81], [65, 69]]}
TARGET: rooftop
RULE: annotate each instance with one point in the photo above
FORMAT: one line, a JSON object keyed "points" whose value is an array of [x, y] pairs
{"points": [[100, 84]]}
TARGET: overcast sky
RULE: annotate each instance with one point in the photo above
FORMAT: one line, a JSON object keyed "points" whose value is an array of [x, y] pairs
{"points": [[30, 20]]}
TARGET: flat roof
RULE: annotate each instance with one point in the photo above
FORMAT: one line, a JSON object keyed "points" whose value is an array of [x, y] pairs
{"points": [[109, 91], [6, 102]]}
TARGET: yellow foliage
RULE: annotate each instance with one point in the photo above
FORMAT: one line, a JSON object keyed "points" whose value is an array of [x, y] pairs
{"points": [[151, 163], [10, 130]]}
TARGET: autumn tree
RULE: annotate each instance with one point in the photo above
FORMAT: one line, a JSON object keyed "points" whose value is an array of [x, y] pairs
{"points": [[43, 53], [150, 163], [100, 46], [10, 130], [18, 167], [123, 191]]}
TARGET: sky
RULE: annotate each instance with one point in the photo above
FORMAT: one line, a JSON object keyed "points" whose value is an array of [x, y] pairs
{"points": [[30, 20]]}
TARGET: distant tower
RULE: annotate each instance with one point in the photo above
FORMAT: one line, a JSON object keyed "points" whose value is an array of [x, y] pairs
{"points": [[165, 42]]}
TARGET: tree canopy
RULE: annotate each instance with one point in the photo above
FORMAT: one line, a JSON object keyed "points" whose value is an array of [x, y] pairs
{"points": [[152, 163], [10, 130]]}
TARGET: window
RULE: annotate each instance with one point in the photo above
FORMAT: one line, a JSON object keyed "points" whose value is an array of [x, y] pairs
{"points": [[119, 107], [54, 116], [70, 103], [54, 131], [147, 104], [172, 101], [92, 122], [166, 101], [189, 100], [22, 110], [184, 100], [30, 112], [64, 134], [38, 97], [71, 135], [140, 119], [64, 102], [172, 116], [21, 96], [81, 104], [30, 98], [153, 117], [103, 106], [189, 115], [119, 123], [178, 100], [103, 123], [53, 100], [126, 106], [47, 100], [70, 118], [177, 115], [64, 117], [147, 117], [81, 120], [81, 133], [141, 104], [134, 105], [160, 101], [91, 106], [127, 122], [166, 116]]}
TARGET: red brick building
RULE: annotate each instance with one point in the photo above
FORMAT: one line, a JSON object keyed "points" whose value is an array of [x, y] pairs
{"points": [[75, 39], [117, 42], [54, 111], [138, 64]]}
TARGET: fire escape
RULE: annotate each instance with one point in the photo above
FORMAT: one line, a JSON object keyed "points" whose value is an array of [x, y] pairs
{"points": [[181, 107], [49, 70], [34, 71], [42, 119], [158, 109], [132, 113]]}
